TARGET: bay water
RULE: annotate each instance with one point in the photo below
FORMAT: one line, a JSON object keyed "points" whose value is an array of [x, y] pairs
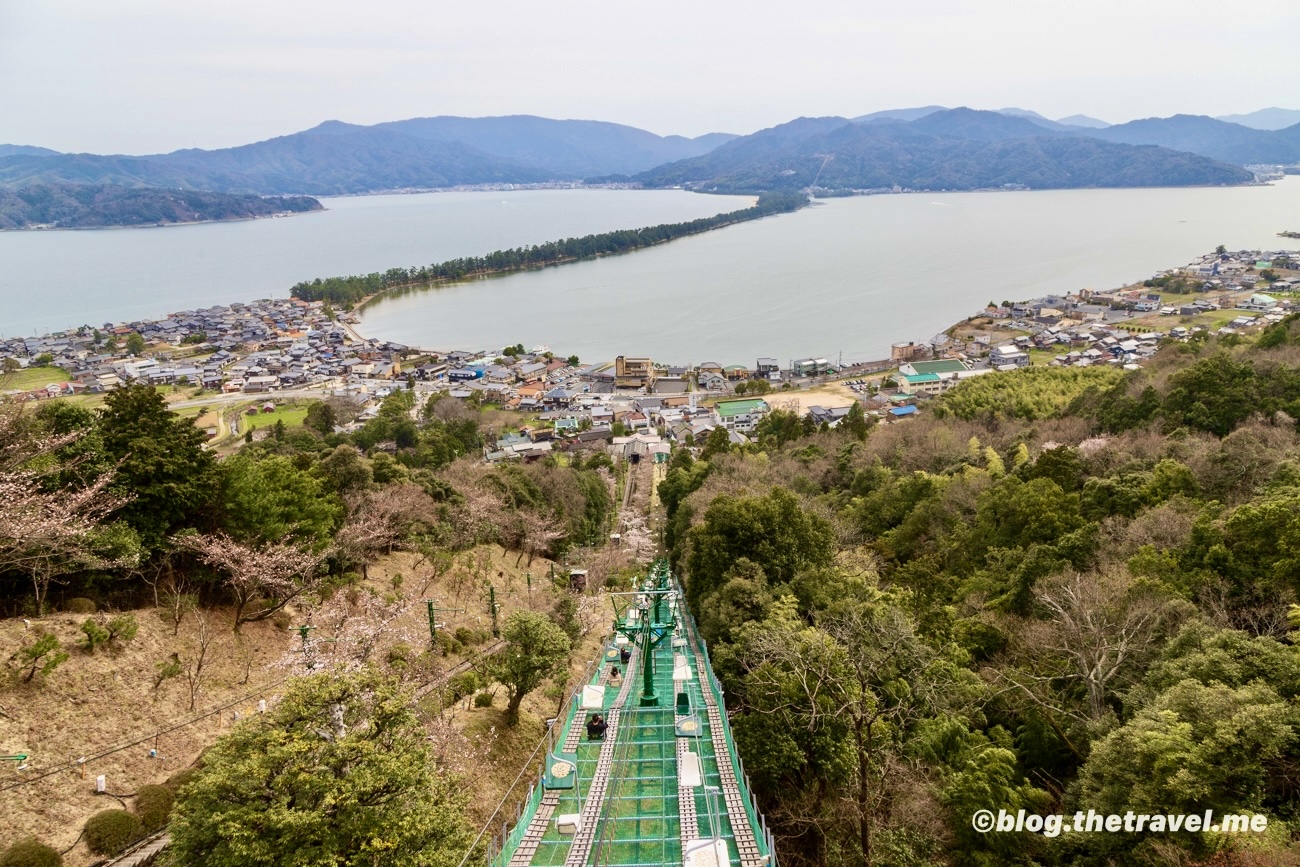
{"points": [[843, 278], [51, 280]]}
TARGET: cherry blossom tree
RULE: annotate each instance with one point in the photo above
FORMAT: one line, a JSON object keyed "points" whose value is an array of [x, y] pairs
{"points": [[48, 529], [276, 573], [379, 521]]}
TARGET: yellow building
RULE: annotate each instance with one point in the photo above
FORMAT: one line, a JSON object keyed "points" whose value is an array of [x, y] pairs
{"points": [[631, 372]]}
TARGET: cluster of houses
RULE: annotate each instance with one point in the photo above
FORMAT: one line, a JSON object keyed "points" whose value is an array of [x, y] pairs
{"points": [[538, 382], [631, 425], [251, 348], [1244, 268], [1092, 327], [633, 406]]}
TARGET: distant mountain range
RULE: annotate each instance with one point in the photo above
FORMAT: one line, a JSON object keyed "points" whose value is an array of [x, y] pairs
{"points": [[1265, 118], [337, 158], [1084, 121], [314, 163], [1077, 121], [567, 148], [956, 149], [68, 206], [903, 114], [1270, 135], [913, 147], [8, 150], [1209, 137]]}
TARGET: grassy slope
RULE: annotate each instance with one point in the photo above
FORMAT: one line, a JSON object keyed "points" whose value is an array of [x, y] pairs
{"points": [[94, 702]]}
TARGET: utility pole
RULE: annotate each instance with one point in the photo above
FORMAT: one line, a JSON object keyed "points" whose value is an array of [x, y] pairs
{"points": [[307, 645], [433, 622], [648, 696], [648, 630]]}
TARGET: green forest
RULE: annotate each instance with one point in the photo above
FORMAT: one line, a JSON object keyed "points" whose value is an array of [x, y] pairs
{"points": [[1058, 591], [95, 499], [113, 515], [347, 291]]}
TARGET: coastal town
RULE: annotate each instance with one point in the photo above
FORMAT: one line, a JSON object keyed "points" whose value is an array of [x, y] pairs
{"points": [[224, 363]]}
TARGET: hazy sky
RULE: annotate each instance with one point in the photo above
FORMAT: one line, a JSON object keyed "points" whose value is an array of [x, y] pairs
{"points": [[141, 76]]}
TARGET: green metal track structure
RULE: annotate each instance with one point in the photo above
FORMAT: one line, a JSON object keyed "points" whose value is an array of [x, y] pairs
{"points": [[665, 785]]}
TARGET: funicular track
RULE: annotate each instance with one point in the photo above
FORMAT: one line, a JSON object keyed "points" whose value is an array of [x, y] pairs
{"points": [[665, 786]]}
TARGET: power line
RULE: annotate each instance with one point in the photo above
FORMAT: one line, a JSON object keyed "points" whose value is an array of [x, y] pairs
{"points": [[527, 766], [595, 662], [85, 760]]}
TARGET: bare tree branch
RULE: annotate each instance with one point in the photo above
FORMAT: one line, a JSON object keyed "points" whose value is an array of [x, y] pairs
{"points": [[277, 572]]}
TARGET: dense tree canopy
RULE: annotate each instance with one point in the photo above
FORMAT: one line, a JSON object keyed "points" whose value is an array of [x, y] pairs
{"points": [[160, 459], [772, 532], [337, 773], [1059, 591], [271, 499], [535, 649]]}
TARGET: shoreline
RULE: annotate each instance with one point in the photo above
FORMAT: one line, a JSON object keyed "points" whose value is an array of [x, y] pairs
{"points": [[367, 304], [44, 228], [518, 188], [322, 289], [1126, 318], [355, 328], [505, 272]]}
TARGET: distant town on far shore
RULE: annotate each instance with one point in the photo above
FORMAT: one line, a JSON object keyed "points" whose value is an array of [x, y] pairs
{"points": [[265, 354]]}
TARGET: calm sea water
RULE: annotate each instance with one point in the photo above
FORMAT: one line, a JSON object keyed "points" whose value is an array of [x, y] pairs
{"points": [[846, 276], [54, 280]]}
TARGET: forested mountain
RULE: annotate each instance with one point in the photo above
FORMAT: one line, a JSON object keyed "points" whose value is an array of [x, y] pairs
{"points": [[756, 149], [314, 163], [985, 126], [1271, 135], [567, 148], [335, 158], [1074, 122], [923, 147], [1035, 118], [80, 206], [1216, 139], [904, 114], [958, 149], [1084, 121]]}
